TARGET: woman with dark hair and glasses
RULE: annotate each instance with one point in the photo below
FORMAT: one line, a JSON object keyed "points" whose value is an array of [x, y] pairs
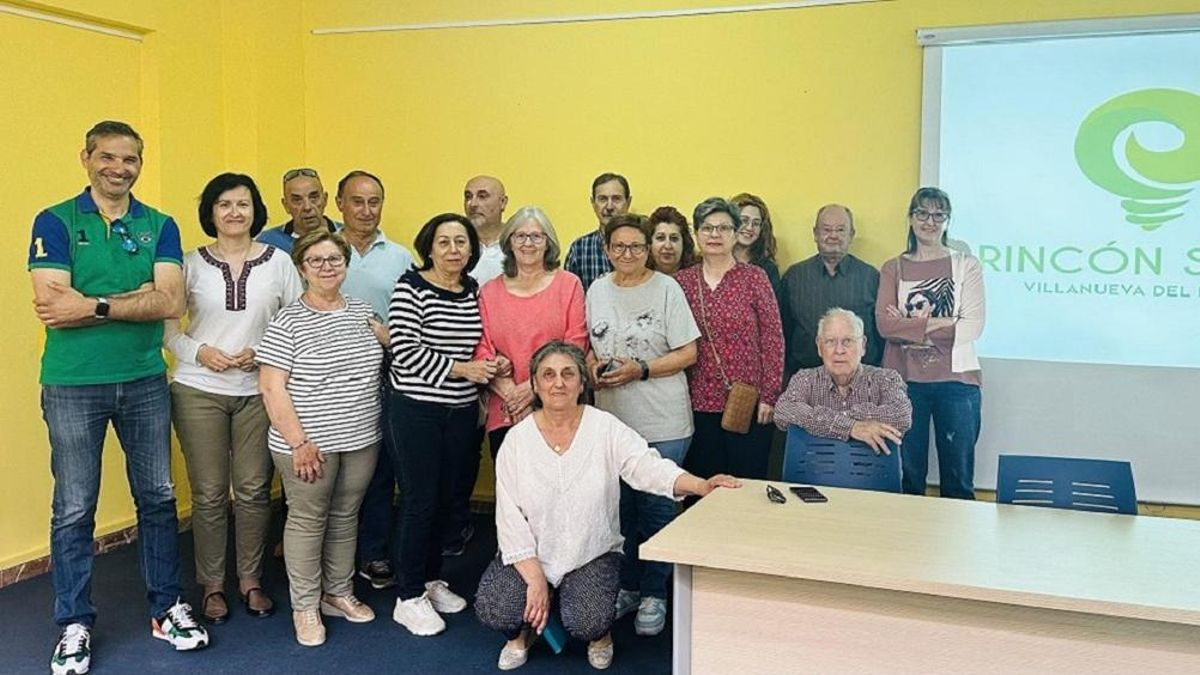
{"points": [[557, 491], [930, 309], [741, 341], [320, 382], [234, 286], [435, 327], [756, 237]]}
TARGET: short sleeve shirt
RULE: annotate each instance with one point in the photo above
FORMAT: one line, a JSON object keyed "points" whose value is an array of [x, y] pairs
{"points": [[332, 359], [644, 322], [104, 259]]}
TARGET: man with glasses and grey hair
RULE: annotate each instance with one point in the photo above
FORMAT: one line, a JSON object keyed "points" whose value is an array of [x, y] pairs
{"points": [[831, 278], [304, 199], [844, 398]]}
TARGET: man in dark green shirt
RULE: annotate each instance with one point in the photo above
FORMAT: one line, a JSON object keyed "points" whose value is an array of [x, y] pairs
{"points": [[831, 278], [106, 271]]}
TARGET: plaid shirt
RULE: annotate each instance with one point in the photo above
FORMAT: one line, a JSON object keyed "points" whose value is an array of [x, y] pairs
{"points": [[812, 401], [586, 259]]}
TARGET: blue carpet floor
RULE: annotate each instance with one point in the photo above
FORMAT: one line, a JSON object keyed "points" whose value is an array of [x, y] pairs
{"points": [[121, 641]]}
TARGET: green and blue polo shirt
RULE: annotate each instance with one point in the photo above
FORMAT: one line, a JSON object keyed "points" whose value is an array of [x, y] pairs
{"points": [[74, 237]]}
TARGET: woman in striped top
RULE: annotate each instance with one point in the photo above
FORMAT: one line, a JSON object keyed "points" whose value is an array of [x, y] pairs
{"points": [[434, 324], [319, 377]]}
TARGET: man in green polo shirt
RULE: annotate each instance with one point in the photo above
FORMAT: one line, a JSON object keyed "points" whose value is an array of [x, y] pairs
{"points": [[107, 269]]}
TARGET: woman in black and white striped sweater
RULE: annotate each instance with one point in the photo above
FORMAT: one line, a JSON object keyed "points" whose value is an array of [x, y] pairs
{"points": [[434, 323]]}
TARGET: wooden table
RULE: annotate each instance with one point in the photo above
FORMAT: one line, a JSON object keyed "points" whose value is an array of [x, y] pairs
{"points": [[883, 583]]}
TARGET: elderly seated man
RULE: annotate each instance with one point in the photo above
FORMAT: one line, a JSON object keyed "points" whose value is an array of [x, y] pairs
{"points": [[843, 398]]}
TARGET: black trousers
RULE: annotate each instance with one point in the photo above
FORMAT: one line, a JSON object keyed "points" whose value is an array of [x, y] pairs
{"points": [[715, 450], [430, 443]]}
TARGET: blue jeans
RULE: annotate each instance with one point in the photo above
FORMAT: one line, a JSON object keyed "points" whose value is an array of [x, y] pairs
{"points": [[642, 516], [77, 418], [954, 407]]}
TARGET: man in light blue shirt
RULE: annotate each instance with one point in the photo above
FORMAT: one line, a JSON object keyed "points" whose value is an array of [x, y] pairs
{"points": [[304, 199], [376, 263]]}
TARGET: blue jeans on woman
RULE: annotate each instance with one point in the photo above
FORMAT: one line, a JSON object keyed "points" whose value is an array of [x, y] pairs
{"points": [[77, 418], [954, 407], [642, 516]]}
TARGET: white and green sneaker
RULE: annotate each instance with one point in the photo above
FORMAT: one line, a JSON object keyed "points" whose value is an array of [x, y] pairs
{"points": [[180, 628], [73, 655]]}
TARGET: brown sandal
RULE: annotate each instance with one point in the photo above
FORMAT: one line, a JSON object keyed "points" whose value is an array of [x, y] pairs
{"points": [[259, 613], [215, 619]]}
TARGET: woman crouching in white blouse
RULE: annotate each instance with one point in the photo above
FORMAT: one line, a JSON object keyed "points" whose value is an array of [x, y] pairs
{"points": [[557, 494]]}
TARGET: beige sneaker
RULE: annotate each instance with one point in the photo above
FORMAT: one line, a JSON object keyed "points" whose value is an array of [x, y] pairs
{"points": [[310, 632], [347, 607], [600, 652], [443, 599]]}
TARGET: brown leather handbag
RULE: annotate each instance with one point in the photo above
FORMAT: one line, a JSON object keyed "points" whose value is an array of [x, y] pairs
{"points": [[741, 399]]}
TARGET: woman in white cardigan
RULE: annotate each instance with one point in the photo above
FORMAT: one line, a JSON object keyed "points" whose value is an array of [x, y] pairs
{"points": [[234, 286], [930, 310], [557, 494]]}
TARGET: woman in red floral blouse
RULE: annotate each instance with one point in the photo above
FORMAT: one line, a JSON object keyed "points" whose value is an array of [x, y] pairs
{"points": [[741, 340]]}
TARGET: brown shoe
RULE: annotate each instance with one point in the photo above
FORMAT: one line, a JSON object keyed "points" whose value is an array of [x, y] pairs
{"points": [[347, 607], [310, 632]]}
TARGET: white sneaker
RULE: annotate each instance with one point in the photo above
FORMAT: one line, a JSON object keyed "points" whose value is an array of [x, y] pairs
{"points": [[73, 654], [443, 599], [180, 628], [418, 616]]}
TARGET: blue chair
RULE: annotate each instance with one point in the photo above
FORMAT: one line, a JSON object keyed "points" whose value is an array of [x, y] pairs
{"points": [[1100, 485], [846, 464]]}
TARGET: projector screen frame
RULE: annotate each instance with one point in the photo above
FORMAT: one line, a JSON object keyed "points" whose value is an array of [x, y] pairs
{"points": [[1075, 438], [933, 39]]}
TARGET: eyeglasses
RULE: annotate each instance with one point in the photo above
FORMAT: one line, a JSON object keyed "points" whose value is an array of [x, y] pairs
{"points": [[775, 495], [844, 343], [715, 230], [620, 250], [756, 224], [127, 242], [311, 173], [938, 217], [334, 261], [534, 238]]}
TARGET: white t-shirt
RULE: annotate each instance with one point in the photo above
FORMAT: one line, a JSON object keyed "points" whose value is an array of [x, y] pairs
{"points": [[229, 314], [490, 265]]}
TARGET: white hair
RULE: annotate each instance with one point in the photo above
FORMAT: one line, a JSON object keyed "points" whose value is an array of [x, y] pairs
{"points": [[845, 315]]}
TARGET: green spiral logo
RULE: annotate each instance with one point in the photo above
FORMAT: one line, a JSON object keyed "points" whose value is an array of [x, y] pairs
{"points": [[1153, 182]]}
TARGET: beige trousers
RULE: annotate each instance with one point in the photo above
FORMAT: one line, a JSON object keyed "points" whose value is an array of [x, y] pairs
{"points": [[224, 440], [321, 532]]}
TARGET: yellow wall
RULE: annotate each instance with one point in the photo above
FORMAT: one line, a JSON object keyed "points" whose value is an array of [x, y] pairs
{"points": [[207, 93], [801, 106]]}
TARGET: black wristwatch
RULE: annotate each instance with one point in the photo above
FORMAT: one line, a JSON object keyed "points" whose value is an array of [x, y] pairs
{"points": [[102, 307], [645, 369]]}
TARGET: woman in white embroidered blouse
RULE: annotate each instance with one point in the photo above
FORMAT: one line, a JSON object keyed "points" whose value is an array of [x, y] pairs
{"points": [[234, 286], [557, 493]]}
